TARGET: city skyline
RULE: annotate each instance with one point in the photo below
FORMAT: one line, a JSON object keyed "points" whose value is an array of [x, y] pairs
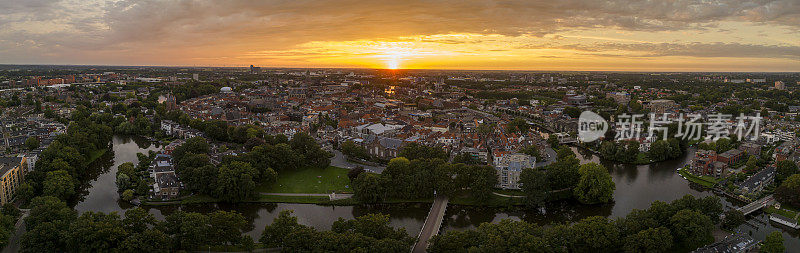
{"points": [[463, 35]]}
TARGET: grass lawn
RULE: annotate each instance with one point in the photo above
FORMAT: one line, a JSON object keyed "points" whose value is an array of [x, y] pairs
{"points": [[95, 154], [707, 181], [310, 180], [784, 212], [642, 158], [510, 192], [293, 199]]}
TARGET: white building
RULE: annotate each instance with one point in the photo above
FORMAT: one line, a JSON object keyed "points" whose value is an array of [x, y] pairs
{"points": [[509, 166]]}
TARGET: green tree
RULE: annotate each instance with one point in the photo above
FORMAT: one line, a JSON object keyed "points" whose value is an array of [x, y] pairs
{"points": [[349, 148], [226, 227], [573, 112], [733, 219], [127, 169], [518, 125], [535, 185], [608, 150], [353, 173], [123, 181], [235, 182], [595, 185], [773, 243], [533, 151], [196, 145], [128, 195], [595, 234], [466, 158], [788, 193], [691, 228], [752, 164], [59, 184], [563, 173], [784, 169], [659, 150], [47, 225], [414, 151], [32, 143], [310, 151], [281, 230], [482, 180], [552, 140], [368, 188], [649, 240], [96, 232]]}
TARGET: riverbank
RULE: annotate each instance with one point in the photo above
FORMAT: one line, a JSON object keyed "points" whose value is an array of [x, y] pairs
{"points": [[706, 181], [498, 199], [791, 214], [94, 155]]}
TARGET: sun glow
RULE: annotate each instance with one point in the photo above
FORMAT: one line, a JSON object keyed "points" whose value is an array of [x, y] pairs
{"points": [[393, 64]]}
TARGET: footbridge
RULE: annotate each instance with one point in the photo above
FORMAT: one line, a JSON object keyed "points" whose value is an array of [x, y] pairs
{"points": [[756, 205], [432, 223]]}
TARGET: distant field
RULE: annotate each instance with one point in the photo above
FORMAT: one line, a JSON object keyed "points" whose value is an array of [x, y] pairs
{"points": [[310, 180]]}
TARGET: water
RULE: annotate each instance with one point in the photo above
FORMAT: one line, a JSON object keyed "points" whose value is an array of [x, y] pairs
{"points": [[101, 195], [636, 188]]}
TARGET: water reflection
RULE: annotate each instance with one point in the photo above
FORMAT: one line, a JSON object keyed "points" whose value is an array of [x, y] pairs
{"points": [[636, 188]]}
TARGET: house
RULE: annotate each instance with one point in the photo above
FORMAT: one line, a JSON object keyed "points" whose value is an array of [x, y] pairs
{"points": [[703, 162], [731, 157], [167, 185], [383, 147], [756, 182], [660, 106], [750, 148], [12, 170], [509, 166]]}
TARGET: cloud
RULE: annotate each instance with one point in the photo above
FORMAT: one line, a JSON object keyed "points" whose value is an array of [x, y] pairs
{"points": [[196, 29], [692, 49]]}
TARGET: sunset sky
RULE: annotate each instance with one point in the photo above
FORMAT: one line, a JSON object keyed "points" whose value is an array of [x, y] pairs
{"points": [[620, 35]]}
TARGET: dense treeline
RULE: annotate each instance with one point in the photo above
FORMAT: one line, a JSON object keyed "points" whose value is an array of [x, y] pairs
{"points": [[235, 178], [8, 216], [54, 227], [566, 177], [419, 178], [62, 166], [368, 233], [423, 174], [684, 224]]}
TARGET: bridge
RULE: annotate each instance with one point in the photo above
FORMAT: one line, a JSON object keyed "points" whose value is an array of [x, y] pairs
{"points": [[432, 224], [756, 205]]}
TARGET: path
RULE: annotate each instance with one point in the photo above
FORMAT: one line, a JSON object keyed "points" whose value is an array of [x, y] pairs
{"points": [[332, 196], [432, 224], [14, 242], [339, 160]]}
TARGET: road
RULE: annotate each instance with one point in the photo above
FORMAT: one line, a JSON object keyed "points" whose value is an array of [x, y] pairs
{"points": [[549, 157], [14, 242], [432, 224], [339, 160]]}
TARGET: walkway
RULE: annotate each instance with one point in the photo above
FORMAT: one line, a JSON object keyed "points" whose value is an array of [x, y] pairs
{"points": [[432, 224], [339, 160], [756, 205], [332, 196], [14, 242]]}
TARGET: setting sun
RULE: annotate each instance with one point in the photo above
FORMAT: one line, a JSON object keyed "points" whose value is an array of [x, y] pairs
{"points": [[393, 64]]}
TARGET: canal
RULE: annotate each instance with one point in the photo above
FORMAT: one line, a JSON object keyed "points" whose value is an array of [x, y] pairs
{"points": [[636, 188]]}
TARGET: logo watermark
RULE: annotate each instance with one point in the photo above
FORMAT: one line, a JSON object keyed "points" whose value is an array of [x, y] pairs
{"points": [[592, 126]]}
